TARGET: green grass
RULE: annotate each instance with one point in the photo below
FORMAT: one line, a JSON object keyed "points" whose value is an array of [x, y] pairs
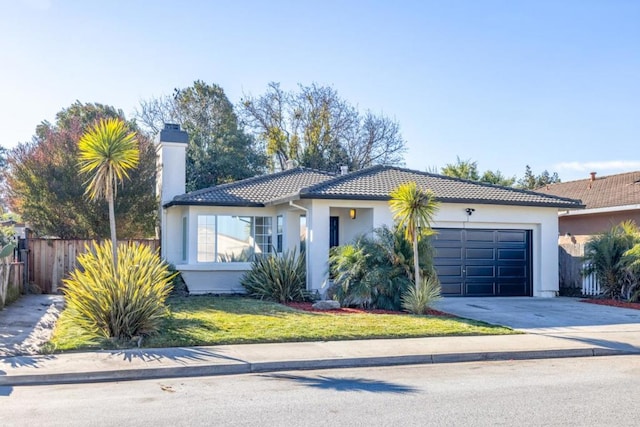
{"points": [[207, 320]]}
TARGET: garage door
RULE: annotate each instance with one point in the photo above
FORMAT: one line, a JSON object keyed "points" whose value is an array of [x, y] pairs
{"points": [[483, 262]]}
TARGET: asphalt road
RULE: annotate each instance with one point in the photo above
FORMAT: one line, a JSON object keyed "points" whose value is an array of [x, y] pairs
{"points": [[600, 391]]}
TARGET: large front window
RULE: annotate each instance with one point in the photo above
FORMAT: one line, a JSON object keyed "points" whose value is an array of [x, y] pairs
{"points": [[224, 238]]}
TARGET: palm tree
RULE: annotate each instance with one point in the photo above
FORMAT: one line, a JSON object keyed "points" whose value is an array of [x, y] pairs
{"points": [[413, 209], [108, 150]]}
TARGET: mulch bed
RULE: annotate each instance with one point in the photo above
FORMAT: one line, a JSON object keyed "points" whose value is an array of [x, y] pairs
{"points": [[307, 306], [613, 303]]}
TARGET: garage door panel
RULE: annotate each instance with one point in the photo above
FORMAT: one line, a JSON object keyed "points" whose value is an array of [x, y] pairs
{"points": [[452, 288], [511, 289], [480, 253], [448, 234], [449, 253], [483, 262], [480, 236], [511, 254], [480, 289], [512, 236], [475, 271], [450, 270], [517, 271]]}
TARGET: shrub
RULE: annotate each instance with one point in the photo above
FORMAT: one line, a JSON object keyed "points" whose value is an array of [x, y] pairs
{"points": [[280, 278], [118, 304], [417, 299], [609, 257], [376, 271]]}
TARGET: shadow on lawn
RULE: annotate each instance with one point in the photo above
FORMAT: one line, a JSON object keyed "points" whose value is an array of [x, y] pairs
{"points": [[346, 384]]}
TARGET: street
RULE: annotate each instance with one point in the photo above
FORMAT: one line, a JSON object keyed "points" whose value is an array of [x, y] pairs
{"points": [[599, 391]]}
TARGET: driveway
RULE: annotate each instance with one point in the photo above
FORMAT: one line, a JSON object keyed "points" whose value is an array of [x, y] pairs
{"points": [[27, 323], [560, 317]]}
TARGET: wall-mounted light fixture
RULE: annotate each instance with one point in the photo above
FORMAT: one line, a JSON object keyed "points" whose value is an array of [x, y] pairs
{"points": [[470, 211], [352, 213]]}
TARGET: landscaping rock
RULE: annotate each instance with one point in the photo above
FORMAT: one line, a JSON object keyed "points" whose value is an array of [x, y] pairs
{"points": [[327, 304]]}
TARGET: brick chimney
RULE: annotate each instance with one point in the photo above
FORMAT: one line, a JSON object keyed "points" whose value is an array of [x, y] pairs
{"points": [[593, 176]]}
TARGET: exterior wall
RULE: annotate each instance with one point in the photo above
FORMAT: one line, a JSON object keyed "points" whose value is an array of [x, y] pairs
{"points": [[171, 235], [225, 277], [219, 277], [349, 228], [542, 221], [590, 224]]}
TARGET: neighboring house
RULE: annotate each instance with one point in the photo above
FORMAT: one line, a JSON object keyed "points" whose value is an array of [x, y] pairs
{"points": [[491, 241], [608, 200]]}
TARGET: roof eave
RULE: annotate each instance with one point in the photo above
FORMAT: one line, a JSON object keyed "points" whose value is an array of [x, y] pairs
{"points": [[209, 203], [445, 200]]}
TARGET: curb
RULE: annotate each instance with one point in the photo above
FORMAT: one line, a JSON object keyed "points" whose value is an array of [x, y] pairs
{"points": [[295, 365]]}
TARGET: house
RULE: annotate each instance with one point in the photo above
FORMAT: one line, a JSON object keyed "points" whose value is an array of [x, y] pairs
{"points": [[491, 240], [608, 200]]}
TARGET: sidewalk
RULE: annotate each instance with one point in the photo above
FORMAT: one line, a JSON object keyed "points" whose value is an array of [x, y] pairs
{"points": [[555, 328], [247, 358]]}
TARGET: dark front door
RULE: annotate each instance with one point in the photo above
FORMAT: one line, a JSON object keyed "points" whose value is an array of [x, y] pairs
{"points": [[334, 226], [473, 262]]}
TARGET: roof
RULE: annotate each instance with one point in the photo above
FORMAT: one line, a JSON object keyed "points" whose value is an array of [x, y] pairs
{"points": [[256, 191], [373, 183], [603, 192], [377, 182]]}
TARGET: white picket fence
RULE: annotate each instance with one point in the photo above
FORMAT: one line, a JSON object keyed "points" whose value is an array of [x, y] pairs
{"points": [[590, 285]]}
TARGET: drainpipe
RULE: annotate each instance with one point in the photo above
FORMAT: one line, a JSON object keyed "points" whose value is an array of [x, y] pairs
{"points": [[306, 256]]}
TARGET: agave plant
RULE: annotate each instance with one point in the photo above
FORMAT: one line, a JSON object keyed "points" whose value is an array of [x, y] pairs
{"points": [[280, 278]]}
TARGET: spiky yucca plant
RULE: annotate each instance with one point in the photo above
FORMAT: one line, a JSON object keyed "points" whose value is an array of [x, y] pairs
{"points": [[280, 278], [417, 299], [118, 303]]}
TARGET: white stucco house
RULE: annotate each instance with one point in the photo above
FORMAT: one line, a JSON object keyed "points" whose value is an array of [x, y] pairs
{"points": [[490, 241]]}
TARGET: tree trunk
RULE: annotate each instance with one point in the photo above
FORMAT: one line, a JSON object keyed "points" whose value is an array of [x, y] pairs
{"points": [[416, 259], [112, 225]]}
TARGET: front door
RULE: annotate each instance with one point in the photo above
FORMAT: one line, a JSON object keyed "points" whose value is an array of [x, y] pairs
{"points": [[334, 226]]}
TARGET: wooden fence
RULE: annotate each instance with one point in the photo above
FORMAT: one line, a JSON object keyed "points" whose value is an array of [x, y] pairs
{"points": [[11, 280], [571, 265], [51, 260]]}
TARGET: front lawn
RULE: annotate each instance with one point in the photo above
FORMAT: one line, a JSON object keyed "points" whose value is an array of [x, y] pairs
{"points": [[208, 320]]}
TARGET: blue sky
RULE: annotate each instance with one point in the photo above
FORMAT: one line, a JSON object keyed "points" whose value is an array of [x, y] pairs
{"points": [[553, 84]]}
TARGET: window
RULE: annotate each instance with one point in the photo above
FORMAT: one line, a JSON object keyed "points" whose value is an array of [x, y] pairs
{"points": [[279, 233], [224, 238], [185, 231], [303, 233], [263, 235]]}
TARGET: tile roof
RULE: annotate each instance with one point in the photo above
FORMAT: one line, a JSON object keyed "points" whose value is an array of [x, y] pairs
{"points": [[254, 191], [374, 183], [604, 192], [377, 182]]}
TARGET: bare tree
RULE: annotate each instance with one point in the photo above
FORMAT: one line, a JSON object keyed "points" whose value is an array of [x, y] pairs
{"points": [[316, 128]]}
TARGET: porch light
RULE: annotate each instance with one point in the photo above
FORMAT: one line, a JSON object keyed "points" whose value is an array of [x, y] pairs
{"points": [[352, 213]]}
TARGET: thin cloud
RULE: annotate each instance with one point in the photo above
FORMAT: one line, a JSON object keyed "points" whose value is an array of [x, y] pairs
{"points": [[612, 165]]}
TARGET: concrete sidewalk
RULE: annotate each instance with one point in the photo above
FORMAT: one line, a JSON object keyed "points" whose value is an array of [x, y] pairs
{"points": [[558, 327], [241, 359]]}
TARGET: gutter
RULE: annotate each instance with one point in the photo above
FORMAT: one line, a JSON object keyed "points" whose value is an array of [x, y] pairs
{"points": [[610, 209]]}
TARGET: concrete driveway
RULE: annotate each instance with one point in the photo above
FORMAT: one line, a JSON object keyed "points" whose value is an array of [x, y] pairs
{"points": [[560, 317], [28, 323]]}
